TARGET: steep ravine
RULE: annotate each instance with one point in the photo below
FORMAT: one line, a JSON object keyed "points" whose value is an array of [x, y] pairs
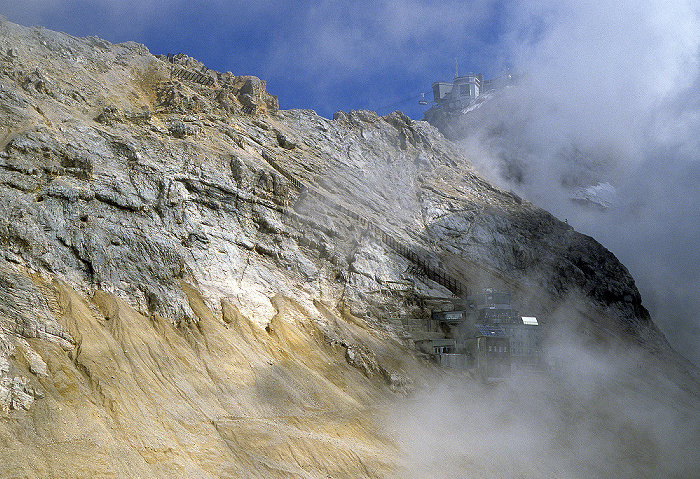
{"points": [[195, 284]]}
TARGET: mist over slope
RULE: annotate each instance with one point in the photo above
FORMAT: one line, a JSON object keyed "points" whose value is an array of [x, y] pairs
{"points": [[195, 283], [643, 212], [607, 94]]}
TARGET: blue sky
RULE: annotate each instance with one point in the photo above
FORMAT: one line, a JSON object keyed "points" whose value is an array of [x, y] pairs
{"points": [[620, 76], [326, 55]]}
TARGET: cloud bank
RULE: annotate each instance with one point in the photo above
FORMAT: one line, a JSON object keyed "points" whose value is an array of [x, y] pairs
{"points": [[596, 416], [609, 92]]}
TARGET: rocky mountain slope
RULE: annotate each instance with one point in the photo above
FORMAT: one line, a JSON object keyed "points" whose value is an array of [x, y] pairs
{"points": [[197, 284]]}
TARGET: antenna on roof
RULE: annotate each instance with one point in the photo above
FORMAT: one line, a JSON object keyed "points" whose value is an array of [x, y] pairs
{"points": [[456, 68]]}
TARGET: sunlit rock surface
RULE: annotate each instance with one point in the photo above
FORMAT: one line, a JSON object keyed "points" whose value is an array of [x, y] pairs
{"points": [[181, 294]]}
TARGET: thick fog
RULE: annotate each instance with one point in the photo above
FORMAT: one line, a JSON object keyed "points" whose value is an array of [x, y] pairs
{"points": [[596, 409], [608, 94], [596, 416]]}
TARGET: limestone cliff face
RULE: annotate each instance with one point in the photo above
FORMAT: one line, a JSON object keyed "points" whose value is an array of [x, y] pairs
{"points": [[194, 283]]}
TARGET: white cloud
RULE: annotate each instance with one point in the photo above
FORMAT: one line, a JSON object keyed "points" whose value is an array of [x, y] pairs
{"points": [[614, 87]]}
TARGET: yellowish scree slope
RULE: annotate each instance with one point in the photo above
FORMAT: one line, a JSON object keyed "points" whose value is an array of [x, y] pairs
{"points": [[138, 397]]}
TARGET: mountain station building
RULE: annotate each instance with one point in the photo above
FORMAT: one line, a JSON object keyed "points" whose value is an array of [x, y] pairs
{"points": [[492, 336]]}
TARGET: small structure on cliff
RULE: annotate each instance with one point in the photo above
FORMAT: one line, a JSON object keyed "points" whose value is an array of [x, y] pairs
{"points": [[491, 336], [460, 93], [489, 348], [464, 90]]}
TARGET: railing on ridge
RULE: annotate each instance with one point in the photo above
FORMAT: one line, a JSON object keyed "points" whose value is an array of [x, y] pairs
{"points": [[188, 75], [192, 76]]}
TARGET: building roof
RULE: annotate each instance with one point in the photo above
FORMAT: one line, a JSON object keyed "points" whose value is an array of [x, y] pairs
{"points": [[490, 331], [451, 317]]}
